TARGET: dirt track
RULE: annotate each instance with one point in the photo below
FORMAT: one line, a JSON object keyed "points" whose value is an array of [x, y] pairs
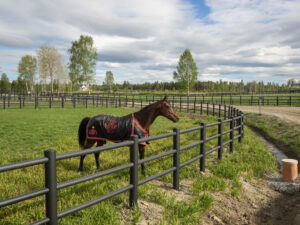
{"points": [[291, 114]]}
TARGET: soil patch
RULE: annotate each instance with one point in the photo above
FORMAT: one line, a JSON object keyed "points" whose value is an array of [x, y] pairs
{"points": [[291, 114]]}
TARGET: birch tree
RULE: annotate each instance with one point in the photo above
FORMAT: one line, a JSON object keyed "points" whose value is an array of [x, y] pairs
{"points": [[186, 73]]}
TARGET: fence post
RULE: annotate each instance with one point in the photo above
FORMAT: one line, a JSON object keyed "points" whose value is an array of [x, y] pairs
{"points": [[74, 104], [50, 102], [225, 112], [207, 108], [20, 102], [220, 139], [213, 109], [240, 128], [176, 158], [231, 135], [188, 104], [50, 183], [242, 122], [202, 146], [62, 102], [133, 101], [173, 102], [8, 100], [4, 99], [201, 110], [180, 104], [219, 110], [133, 195]]}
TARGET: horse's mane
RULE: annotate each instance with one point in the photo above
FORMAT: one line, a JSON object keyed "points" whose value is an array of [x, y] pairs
{"points": [[149, 107]]}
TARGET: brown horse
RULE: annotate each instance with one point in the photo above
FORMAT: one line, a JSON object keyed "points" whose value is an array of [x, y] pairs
{"points": [[104, 127]]}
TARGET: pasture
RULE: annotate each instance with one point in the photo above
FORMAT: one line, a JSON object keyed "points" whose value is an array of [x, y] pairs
{"points": [[26, 133]]}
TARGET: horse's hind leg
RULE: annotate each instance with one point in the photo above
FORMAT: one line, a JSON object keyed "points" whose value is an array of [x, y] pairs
{"points": [[99, 143], [88, 144], [142, 152]]}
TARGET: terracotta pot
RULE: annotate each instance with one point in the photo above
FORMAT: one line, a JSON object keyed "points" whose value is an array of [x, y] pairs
{"points": [[289, 169]]}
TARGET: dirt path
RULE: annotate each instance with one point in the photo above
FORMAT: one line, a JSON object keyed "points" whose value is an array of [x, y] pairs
{"points": [[291, 114]]}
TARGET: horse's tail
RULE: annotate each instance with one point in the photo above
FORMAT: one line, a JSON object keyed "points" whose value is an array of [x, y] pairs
{"points": [[82, 131]]}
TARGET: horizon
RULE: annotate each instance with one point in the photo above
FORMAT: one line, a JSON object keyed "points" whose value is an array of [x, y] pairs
{"points": [[142, 41]]}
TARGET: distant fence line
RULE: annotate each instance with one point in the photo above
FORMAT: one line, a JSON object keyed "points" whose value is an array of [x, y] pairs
{"points": [[235, 132], [182, 105], [62, 100]]}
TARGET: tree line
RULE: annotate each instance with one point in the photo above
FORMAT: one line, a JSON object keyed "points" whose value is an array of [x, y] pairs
{"points": [[55, 76]]}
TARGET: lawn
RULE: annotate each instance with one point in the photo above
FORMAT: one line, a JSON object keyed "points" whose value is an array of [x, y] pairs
{"points": [[26, 133]]}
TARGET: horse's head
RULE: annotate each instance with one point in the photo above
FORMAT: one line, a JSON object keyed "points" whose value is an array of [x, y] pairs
{"points": [[167, 111]]}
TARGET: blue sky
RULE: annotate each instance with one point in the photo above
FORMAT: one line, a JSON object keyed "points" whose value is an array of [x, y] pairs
{"points": [[141, 41]]}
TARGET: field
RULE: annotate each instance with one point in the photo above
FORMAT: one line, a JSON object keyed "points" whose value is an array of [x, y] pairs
{"points": [[26, 133]]}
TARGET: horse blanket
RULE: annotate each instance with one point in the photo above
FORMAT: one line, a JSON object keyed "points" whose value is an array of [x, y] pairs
{"points": [[115, 129]]}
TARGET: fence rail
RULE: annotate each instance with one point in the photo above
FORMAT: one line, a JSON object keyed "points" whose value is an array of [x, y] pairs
{"points": [[105, 99], [50, 158]]}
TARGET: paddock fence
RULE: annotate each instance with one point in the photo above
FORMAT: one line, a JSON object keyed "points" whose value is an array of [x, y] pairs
{"points": [[122, 99], [223, 137]]}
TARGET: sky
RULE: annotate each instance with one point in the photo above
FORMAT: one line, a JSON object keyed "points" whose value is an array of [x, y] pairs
{"points": [[142, 40]]}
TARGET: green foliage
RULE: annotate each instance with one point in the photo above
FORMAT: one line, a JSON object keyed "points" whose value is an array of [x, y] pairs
{"points": [[183, 212], [281, 131], [27, 69], [4, 84], [186, 73], [83, 58]]}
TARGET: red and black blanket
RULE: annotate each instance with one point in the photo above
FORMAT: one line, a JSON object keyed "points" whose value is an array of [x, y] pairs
{"points": [[115, 129]]}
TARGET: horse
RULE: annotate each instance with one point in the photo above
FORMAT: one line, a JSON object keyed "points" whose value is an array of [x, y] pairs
{"points": [[104, 128]]}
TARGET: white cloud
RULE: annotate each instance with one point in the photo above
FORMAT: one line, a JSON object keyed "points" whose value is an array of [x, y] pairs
{"points": [[142, 40]]}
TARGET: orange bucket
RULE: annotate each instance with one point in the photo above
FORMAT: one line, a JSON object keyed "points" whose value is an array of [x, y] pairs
{"points": [[289, 169]]}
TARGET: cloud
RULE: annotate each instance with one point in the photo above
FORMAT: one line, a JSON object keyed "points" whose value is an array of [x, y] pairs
{"points": [[142, 40]]}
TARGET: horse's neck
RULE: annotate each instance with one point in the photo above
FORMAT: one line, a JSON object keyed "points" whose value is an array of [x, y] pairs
{"points": [[146, 117]]}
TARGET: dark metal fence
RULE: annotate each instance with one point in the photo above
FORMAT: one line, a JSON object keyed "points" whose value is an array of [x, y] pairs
{"points": [[105, 99], [50, 158]]}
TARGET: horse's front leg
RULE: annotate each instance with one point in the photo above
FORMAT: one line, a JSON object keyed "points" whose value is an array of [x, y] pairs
{"points": [[142, 152], [99, 143]]}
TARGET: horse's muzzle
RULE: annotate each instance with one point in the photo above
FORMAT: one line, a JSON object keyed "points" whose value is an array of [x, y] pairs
{"points": [[175, 119]]}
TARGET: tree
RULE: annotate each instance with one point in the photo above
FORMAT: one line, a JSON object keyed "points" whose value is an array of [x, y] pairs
{"points": [[50, 64], [83, 58], [4, 84], [186, 73], [109, 79], [27, 69]]}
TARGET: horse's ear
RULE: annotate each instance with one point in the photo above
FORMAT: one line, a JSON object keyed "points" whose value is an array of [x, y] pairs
{"points": [[165, 98]]}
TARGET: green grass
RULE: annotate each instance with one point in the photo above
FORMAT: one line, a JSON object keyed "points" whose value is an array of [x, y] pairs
{"points": [[278, 129], [26, 133]]}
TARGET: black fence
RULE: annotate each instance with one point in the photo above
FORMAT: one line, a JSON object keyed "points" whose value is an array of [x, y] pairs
{"points": [[77, 100], [50, 158]]}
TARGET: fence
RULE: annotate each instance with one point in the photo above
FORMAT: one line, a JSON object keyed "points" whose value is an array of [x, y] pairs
{"points": [[75, 100], [50, 158]]}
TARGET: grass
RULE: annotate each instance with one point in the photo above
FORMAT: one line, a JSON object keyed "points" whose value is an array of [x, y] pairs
{"points": [[277, 129], [26, 133]]}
